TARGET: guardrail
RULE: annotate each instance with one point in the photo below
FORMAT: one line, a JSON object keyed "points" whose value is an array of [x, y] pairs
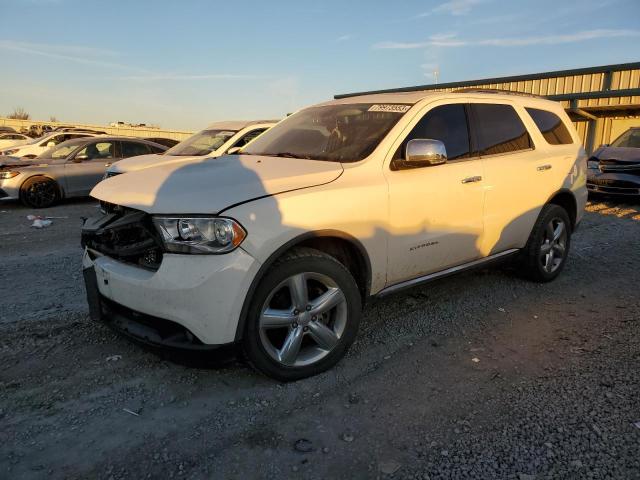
{"points": [[145, 132]]}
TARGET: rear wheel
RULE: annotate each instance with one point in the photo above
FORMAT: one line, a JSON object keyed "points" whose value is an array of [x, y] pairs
{"points": [[39, 192], [303, 316], [548, 246]]}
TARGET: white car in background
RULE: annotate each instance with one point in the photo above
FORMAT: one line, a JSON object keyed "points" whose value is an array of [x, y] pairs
{"points": [[42, 144], [214, 141], [11, 139]]}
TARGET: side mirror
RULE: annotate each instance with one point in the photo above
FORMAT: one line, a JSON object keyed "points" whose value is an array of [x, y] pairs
{"points": [[234, 150], [424, 153], [51, 144], [81, 157]]}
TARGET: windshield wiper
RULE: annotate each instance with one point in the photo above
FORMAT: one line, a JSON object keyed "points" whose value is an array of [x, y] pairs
{"points": [[288, 155]]}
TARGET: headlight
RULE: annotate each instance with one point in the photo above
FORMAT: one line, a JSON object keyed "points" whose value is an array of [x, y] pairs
{"points": [[593, 164], [9, 152], [200, 234], [7, 175]]}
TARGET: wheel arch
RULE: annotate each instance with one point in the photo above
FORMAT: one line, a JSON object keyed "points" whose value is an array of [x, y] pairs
{"points": [[43, 175], [347, 249], [566, 199]]}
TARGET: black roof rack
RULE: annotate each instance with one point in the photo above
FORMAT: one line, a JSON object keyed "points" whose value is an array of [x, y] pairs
{"points": [[495, 90]]}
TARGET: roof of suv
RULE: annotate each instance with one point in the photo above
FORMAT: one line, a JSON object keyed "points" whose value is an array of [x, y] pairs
{"points": [[237, 124]]}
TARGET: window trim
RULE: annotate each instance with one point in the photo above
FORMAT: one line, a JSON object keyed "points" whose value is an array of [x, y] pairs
{"points": [[539, 130], [473, 154], [475, 122]]}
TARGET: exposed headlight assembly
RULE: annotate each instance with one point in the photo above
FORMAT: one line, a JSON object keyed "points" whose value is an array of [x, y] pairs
{"points": [[593, 164], [213, 235], [7, 175]]}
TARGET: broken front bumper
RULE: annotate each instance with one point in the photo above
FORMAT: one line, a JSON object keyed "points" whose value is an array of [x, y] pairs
{"points": [[191, 301]]}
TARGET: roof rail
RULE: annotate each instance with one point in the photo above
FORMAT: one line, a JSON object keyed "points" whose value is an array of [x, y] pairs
{"points": [[495, 90]]}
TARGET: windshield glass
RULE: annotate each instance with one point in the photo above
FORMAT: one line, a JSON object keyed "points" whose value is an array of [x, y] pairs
{"points": [[629, 139], [337, 133], [58, 152], [202, 143]]}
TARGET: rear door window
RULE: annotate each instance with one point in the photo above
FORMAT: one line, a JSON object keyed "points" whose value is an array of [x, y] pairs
{"points": [[551, 126], [499, 129], [133, 149], [247, 137], [447, 123]]}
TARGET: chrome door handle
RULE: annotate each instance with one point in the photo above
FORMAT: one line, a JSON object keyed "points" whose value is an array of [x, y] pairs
{"points": [[542, 168], [477, 178]]}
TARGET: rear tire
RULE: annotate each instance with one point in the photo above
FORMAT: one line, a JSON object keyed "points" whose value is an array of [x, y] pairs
{"points": [[547, 249], [39, 192], [303, 316]]}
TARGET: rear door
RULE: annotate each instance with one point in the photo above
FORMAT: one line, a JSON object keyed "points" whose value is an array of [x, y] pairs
{"points": [[88, 165], [513, 174]]}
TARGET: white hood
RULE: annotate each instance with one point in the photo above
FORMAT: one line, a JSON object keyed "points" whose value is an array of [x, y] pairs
{"points": [[145, 161], [212, 185]]}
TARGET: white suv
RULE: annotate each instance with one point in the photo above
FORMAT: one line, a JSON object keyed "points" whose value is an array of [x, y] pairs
{"points": [[278, 248]]}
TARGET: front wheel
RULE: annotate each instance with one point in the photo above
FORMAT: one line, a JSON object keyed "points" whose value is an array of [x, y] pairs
{"points": [[548, 247], [39, 192], [303, 316]]}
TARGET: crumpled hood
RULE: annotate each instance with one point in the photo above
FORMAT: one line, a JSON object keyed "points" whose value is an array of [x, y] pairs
{"points": [[145, 161], [212, 185], [621, 154]]}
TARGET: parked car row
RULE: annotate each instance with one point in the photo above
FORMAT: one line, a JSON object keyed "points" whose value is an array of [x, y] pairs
{"points": [[276, 245], [69, 164]]}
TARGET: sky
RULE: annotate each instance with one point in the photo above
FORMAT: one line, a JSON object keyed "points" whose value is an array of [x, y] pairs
{"points": [[184, 64]]}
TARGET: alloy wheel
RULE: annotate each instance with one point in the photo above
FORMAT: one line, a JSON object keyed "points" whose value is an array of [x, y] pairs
{"points": [[303, 319], [554, 245], [41, 194]]}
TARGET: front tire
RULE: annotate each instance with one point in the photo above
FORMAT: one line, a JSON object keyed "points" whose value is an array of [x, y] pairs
{"points": [[39, 192], [547, 249], [303, 316]]}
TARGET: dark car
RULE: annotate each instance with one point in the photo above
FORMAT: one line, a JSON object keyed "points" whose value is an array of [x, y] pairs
{"points": [[615, 169], [70, 169], [167, 142]]}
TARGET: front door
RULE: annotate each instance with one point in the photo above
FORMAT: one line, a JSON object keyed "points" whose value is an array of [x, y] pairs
{"points": [[436, 212], [87, 167]]}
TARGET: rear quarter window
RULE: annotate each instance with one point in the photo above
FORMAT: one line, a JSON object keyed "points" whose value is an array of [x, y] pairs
{"points": [[553, 129], [499, 129]]}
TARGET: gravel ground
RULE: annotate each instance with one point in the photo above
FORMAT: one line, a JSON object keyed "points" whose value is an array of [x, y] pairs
{"points": [[483, 375]]}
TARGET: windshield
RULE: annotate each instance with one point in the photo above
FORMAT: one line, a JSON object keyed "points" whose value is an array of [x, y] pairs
{"points": [[202, 143], [58, 152], [337, 133], [629, 139]]}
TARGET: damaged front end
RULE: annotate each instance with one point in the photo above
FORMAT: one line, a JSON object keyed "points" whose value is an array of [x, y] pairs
{"points": [[124, 234]]}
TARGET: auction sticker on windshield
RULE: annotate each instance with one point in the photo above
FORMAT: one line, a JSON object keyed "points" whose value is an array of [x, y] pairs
{"points": [[388, 107]]}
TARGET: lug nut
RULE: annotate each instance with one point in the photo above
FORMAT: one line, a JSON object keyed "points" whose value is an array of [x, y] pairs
{"points": [[314, 318], [296, 311], [305, 329], [308, 307], [295, 325]]}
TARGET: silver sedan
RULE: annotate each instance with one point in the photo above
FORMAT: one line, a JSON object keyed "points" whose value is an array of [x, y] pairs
{"points": [[70, 169]]}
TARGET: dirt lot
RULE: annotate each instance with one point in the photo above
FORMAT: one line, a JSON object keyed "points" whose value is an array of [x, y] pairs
{"points": [[480, 376]]}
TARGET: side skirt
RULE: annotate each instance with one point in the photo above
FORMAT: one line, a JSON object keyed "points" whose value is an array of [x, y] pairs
{"points": [[449, 271]]}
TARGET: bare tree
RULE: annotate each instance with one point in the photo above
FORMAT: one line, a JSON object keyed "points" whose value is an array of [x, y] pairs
{"points": [[53, 118], [19, 113]]}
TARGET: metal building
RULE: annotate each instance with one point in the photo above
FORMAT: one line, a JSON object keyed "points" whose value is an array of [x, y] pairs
{"points": [[602, 101]]}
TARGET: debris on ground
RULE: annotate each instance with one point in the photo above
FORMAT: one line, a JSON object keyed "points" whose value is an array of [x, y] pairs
{"points": [[347, 437], [113, 358], [303, 445], [389, 467], [130, 412]]}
